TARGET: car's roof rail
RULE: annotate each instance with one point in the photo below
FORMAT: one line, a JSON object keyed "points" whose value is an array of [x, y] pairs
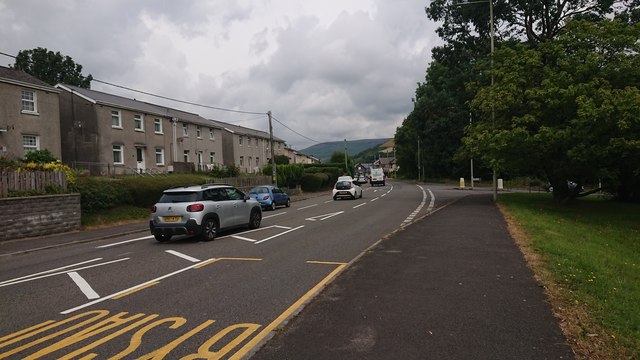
{"points": [[204, 186], [182, 186]]}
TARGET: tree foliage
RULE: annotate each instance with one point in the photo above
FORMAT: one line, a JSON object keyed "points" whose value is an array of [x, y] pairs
{"points": [[569, 108], [52, 67]]}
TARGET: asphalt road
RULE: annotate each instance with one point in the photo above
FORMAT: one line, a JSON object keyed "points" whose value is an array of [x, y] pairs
{"points": [[128, 296]]}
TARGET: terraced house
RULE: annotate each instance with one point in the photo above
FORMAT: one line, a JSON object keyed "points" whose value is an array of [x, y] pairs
{"points": [[29, 115], [110, 134]]}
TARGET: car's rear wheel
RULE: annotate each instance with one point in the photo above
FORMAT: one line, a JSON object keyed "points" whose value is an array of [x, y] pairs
{"points": [[273, 205], [288, 202], [255, 219], [210, 228], [162, 237]]}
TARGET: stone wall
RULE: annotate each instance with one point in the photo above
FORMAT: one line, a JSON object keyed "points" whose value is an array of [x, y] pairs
{"points": [[22, 217]]}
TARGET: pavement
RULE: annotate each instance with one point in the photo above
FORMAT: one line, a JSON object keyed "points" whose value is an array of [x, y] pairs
{"points": [[452, 285]]}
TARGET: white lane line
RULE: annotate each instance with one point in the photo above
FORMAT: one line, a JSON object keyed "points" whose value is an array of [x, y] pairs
{"points": [[374, 199], [357, 206], [131, 288], [324, 217], [275, 236], [410, 218], [328, 201], [432, 202], [83, 285], [306, 207], [181, 255], [49, 271], [62, 272], [274, 215], [124, 242]]}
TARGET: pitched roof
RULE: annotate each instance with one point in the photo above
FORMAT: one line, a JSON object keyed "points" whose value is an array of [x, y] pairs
{"points": [[98, 97], [236, 129], [22, 78]]}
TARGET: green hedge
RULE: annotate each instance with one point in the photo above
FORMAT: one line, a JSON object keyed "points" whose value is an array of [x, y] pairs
{"points": [[311, 182]]}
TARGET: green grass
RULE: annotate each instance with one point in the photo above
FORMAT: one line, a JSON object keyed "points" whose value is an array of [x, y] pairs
{"points": [[591, 248], [120, 214]]}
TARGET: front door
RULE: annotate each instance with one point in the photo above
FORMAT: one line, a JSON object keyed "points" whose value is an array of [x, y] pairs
{"points": [[140, 166]]}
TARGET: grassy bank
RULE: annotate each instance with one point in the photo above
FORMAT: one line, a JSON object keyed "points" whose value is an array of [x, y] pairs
{"points": [[587, 255]]}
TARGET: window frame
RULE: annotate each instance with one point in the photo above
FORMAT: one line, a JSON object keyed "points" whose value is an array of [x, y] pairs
{"points": [[138, 119], [33, 101], [159, 152], [211, 135], [34, 147], [118, 149], [118, 115], [157, 126], [185, 130], [198, 132]]}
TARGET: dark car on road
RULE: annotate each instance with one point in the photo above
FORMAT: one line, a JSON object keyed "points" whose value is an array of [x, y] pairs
{"points": [[270, 196]]}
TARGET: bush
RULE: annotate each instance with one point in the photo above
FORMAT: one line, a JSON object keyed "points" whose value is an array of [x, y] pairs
{"points": [[97, 194], [311, 182]]}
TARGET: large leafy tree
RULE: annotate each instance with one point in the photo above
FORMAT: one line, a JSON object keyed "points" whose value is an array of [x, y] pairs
{"points": [[568, 107], [52, 67]]}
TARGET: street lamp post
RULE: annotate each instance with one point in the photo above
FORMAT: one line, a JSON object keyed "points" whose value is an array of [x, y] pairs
{"points": [[493, 111]]}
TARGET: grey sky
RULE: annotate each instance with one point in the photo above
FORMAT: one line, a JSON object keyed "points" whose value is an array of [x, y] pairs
{"points": [[330, 70]]}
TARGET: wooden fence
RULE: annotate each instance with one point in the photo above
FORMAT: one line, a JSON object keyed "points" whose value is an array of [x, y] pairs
{"points": [[245, 182], [26, 181]]}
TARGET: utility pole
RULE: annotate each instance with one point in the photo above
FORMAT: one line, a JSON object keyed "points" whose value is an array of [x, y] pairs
{"points": [[274, 179], [472, 156], [419, 173], [346, 166]]}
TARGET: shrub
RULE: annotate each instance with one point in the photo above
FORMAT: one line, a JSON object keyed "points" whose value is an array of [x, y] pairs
{"points": [[98, 194], [311, 182]]}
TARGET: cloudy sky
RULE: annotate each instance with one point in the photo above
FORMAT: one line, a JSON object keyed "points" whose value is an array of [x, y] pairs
{"points": [[330, 69]]}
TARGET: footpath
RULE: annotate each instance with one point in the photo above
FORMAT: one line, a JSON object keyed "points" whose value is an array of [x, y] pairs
{"points": [[452, 285]]}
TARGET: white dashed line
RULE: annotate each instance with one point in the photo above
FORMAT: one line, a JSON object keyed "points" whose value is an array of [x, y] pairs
{"points": [[181, 255]]}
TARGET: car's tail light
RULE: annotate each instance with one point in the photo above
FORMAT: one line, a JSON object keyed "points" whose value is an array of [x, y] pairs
{"points": [[153, 209], [266, 197], [195, 207]]}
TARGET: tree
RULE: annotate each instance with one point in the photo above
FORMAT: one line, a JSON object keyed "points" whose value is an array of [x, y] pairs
{"points": [[569, 107], [281, 159], [52, 68]]}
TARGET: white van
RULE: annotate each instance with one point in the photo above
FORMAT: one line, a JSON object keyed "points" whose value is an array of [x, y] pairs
{"points": [[377, 177]]}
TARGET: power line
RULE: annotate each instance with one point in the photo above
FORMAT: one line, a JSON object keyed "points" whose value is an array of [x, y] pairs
{"points": [[180, 101], [279, 122]]}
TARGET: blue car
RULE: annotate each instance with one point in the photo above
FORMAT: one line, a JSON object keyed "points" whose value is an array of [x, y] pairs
{"points": [[270, 196]]}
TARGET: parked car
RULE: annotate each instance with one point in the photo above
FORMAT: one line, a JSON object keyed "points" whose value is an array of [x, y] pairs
{"points": [[346, 187], [270, 196], [202, 211], [377, 177]]}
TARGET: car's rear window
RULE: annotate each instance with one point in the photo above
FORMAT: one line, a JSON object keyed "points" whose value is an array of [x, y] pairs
{"points": [[260, 190], [343, 185], [176, 197]]}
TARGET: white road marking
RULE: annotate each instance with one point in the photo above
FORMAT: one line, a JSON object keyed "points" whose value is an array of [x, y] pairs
{"points": [[328, 201], [83, 285], [374, 199], [357, 206], [62, 272], [49, 271], [275, 236], [124, 242], [415, 213], [131, 288], [306, 207], [274, 215], [181, 255], [324, 217]]}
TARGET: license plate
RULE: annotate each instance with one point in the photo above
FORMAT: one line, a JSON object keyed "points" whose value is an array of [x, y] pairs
{"points": [[344, 193], [171, 218]]}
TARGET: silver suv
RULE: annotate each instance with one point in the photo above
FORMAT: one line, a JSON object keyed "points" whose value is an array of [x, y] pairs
{"points": [[202, 210]]}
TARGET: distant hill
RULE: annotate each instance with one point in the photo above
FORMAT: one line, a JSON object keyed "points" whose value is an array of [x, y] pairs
{"points": [[325, 150]]}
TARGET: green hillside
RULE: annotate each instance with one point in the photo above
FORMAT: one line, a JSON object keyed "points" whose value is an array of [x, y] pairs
{"points": [[325, 150]]}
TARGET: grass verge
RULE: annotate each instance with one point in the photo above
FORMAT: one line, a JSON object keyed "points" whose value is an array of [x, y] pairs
{"points": [[114, 216], [587, 256]]}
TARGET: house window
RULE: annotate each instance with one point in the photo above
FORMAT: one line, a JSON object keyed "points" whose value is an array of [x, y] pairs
{"points": [[240, 140], [159, 156], [258, 161], [118, 157], [249, 161], [157, 125], [199, 155], [116, 121], [198, 132], [256, 142], [185, 130], [212, 157], [29, 103], [241, 160], [30, 143], [211, 136], [138, 122], [186, 156]]}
